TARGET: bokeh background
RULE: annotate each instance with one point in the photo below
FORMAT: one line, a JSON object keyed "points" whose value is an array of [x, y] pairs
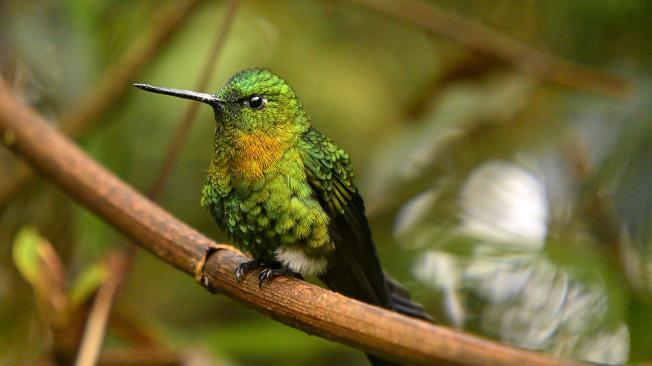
{"points": [[514, 204]]}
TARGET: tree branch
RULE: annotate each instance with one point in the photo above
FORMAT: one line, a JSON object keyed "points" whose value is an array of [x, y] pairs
{"points": [[112, 86], [101, 310], [288, 300], [117, 79], [182, 131], [482, 38]]}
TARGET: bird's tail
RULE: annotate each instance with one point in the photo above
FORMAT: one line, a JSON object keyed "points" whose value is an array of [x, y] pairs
{"points": [[402, 300], [354, 268]]}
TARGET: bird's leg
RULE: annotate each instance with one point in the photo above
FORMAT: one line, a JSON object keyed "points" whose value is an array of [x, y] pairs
{"points": [[245, 267], [276, 269]]}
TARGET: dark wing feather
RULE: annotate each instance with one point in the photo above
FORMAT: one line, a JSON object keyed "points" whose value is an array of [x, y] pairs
{"points": [[353, 268]]}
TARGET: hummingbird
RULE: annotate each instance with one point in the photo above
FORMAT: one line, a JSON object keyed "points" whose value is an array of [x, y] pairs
{"points": [[285, 193]]}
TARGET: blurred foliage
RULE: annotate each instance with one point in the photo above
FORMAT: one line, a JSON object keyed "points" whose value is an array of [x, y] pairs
{"points": [[511, 208]]}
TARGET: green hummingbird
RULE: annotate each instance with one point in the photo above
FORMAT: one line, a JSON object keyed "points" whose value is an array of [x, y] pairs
{"points": [[285, 193]]}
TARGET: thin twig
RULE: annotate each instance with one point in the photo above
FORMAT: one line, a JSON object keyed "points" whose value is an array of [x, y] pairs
{"points": [[482, 38], [180, 136], [174, 147], [17, 178], [141, 357], [605, 224], [128, 324], [111, 88], [468, 66], [91, 344], [288, 300]]}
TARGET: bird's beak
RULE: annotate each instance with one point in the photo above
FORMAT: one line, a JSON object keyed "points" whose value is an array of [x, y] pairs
{"points": [[185, 94]]}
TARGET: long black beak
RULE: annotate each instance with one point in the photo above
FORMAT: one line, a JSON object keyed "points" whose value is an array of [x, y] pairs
{"points": [[186, 94]]}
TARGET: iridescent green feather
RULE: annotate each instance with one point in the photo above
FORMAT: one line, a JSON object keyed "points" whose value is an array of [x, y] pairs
{"points": [[280, 208], [285, 192], [328, 170]]}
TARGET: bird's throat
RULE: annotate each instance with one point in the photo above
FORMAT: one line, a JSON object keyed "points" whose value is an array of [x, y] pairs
{"points": [[252, 155]]}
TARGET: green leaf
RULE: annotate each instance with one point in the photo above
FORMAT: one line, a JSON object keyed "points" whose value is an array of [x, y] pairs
{"points": [[87, 283], [25, 254]]}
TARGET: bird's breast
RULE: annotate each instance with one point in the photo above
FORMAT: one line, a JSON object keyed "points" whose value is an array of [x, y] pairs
{"points": [[254, 154]]}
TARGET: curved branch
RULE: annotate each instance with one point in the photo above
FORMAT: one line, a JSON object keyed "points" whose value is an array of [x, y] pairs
{"points": [[182, 131], [117, 79], [482, 38], [106, 297], [288, 300], [110, 89]]}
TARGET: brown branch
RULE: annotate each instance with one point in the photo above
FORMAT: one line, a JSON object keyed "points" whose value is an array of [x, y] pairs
{"points": [[288, 300], [96, 327], [117, 79], [112, 86], [141, 357], [18, 177], [482, 38], [468, 66], [128, 325]]}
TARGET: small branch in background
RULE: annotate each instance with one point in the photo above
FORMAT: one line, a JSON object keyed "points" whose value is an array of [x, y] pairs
{"points": [[130, 326], [605, 225], [141, 357], [288, 300], [484, 39], [96, 326], [19, 177], [54, 273], [61, 302], [468, 66], [111, 88], [93, 338], [40, 265], [180, 135]]}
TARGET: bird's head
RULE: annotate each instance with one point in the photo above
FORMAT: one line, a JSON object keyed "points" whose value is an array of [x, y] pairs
{"points": [[252, 101]]}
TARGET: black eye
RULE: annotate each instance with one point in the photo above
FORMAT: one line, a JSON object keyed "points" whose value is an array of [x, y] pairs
{"points": [[256, 102]]}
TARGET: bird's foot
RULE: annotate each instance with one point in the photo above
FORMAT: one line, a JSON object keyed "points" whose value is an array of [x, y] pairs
{"points": [[245, 267], [269, 273]]}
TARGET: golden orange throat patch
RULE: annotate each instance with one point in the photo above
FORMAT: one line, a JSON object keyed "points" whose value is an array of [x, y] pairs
{"points": [[254, 154]]}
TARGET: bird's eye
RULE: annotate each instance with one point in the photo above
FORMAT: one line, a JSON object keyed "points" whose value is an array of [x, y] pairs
{"points": [[256, 102]]}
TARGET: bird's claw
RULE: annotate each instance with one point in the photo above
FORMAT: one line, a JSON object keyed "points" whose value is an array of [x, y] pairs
{"points": [[245, 267], [269, 274]]}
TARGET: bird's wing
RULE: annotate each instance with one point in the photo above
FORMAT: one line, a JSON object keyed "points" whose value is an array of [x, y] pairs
{"points": [[354, 268]]}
